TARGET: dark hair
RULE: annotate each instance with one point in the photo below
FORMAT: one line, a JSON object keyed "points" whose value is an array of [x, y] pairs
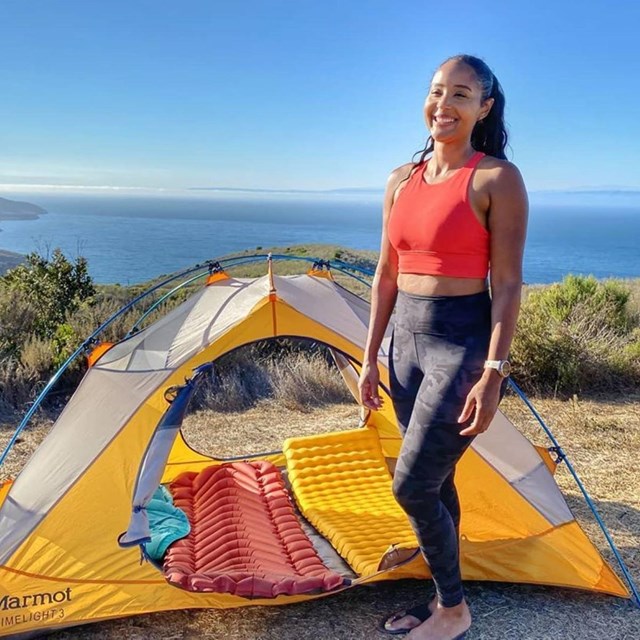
{"points": [[490, 134]]}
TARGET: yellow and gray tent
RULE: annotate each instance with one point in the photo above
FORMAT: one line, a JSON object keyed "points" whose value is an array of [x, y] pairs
{"points": [[71, 520]]}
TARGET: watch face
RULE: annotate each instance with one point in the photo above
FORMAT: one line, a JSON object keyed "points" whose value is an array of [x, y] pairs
{"points": [[505, 368]]}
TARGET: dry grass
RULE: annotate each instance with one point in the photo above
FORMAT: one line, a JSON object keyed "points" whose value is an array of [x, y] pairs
{"points": [[298, 373], [262, 428], [602, 439]]}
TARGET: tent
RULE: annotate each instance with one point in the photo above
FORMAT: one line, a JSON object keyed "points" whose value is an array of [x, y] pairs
{"points": [[73, 523]]}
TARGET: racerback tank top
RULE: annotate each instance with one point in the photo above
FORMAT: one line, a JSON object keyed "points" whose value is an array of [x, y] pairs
{"points": [[434, 230]]}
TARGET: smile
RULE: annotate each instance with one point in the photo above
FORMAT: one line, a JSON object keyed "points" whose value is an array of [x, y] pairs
{"points": [[444, 120]]}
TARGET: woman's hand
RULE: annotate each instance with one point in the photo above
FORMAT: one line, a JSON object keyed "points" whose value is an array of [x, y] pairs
{"points": [[368, 386], [484, 397]]}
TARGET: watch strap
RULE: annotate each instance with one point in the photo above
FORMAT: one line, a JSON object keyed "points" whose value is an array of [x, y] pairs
{"points": [[503, 367]]}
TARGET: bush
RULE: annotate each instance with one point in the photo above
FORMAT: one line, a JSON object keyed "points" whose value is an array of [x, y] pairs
{"points": [[17, 319], [55, 287], [577, 336], [16, 385], [37, 299], [48, 307], [605, 300]]}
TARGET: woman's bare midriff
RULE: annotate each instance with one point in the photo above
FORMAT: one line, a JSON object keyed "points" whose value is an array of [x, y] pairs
{"points": [[423, 285]]}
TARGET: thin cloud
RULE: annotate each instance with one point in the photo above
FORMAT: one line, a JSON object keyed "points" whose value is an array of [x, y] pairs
{"points": [[75, 187]]}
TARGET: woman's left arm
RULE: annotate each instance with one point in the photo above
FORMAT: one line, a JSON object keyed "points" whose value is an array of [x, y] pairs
{"points": [[507, 221]]}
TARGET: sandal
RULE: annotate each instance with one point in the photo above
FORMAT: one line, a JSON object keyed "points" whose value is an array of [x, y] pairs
{"points": [[419, 611]]}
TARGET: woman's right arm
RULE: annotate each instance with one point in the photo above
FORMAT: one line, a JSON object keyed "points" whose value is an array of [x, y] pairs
{"points": [[383, 297]]}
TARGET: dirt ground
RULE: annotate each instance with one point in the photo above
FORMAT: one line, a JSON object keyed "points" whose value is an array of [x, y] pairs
{"points": [[601, 438]]}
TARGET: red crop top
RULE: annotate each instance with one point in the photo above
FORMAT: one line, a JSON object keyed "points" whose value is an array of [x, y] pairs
{"points": [[434, 230]]}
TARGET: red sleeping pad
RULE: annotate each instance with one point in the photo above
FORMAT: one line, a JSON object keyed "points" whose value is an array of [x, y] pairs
{"points": [[245, 537]]}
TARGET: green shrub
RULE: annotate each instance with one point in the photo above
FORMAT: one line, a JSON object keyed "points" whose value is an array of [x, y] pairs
{"points": [[48, 307], [632, 349], [37, 300], [607, 300], [64, 343], [54, 286], [16, 385], [17, 318], [577, 337]]}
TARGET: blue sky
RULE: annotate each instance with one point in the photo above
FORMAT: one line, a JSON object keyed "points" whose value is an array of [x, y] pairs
{"points": [[307, 94]]}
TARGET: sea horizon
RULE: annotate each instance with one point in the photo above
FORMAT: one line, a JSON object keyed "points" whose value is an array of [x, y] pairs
{"points": [[131, 237]]}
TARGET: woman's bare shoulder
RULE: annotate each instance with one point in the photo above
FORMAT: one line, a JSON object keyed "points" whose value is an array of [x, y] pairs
{"points": [[402, 172], [396, 180], [499, 172]]}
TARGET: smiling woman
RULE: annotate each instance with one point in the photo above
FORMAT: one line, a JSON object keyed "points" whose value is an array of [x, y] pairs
{"points": [[487, 130], [451, 221]]}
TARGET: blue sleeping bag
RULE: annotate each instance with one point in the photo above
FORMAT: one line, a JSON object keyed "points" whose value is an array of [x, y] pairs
{"points": [[166, 523]]}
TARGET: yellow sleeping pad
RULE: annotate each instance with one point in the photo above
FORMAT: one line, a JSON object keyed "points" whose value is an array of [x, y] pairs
{"points": [[343, 487]]}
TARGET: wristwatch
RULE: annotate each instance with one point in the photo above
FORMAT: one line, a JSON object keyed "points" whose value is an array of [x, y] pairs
{"points": [[503, 367]]}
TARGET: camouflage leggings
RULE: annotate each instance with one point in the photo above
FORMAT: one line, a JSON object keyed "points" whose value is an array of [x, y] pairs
{"points": [[438, 350]]}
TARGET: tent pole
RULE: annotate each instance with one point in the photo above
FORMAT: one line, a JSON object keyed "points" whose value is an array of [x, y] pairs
{"points": [[91, 339], [563, 457], [88, 342], [245, 260], [159, 301], [340, 265]]}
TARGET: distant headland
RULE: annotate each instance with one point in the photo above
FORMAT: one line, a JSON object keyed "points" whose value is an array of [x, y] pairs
{"points": [[8, 260], [15, 210]]}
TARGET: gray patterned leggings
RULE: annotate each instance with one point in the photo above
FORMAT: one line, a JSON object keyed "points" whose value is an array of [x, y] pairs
{"points": [[438, 350]]}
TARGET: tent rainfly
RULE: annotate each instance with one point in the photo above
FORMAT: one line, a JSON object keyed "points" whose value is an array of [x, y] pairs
{"points": [[75, 520]]}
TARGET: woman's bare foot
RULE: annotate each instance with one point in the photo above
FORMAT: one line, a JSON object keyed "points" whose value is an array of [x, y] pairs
{"points": [[445, 623], [408, 622]]}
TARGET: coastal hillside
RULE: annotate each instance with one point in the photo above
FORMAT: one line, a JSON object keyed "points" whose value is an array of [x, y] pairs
{"points": [[17, 210], [9, 260], [581, 336]]}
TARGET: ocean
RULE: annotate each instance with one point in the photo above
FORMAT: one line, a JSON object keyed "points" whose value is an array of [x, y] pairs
{"points": [[132, 238]]}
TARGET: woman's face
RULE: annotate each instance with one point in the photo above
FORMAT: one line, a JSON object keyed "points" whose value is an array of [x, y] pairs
{"points": [[454, 103]]}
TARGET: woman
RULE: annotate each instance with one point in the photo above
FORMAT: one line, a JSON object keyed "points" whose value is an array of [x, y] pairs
{"points": [[445, 220]]}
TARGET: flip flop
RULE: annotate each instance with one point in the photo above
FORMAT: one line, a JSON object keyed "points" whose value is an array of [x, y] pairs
{"points": [[419, 611]]}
